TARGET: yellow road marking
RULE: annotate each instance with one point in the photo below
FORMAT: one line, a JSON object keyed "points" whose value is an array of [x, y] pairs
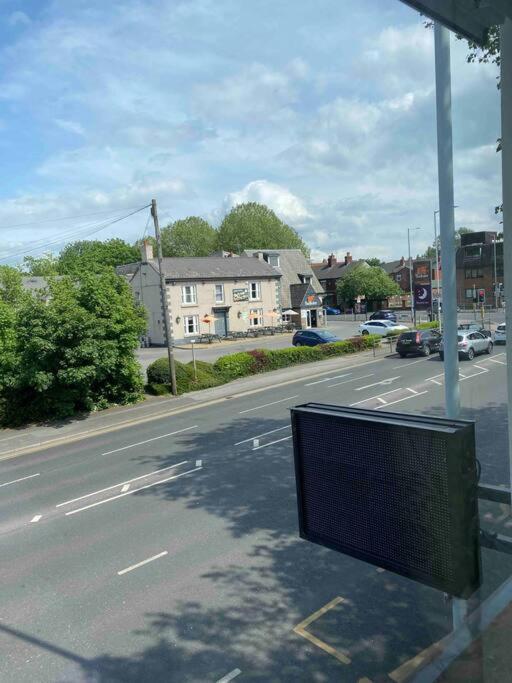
{"points": [[300, 630], [404, 672]]}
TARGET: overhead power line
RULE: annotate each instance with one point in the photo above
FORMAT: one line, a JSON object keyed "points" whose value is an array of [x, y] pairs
{"points": [[66, 218]]}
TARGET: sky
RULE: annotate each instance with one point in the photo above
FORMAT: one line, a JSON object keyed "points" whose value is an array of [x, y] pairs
{"points": [[324, 111]]}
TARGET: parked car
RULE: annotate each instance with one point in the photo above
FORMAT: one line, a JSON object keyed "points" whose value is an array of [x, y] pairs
{"points": [[418, 341], [313, 337], [500, 336], [384, 315], [474, 327], [382, 327], [332, 310], [470, 344]]}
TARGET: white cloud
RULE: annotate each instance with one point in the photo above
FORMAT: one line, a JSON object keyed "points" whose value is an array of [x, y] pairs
{"points": [[286, 205], [70, 126], [18, 19]]}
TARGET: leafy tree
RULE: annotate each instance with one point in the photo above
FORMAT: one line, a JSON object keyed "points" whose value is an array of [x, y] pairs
{"points": [[192, 236], [41, 266], [255, 226], [373, 261], [11, 287], [74, 352], [95, 256], [369, 281]]}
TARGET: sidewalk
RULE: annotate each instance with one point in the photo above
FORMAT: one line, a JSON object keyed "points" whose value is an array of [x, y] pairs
{"points": [[14, 442]]}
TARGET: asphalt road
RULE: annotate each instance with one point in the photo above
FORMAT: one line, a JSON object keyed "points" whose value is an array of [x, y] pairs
{"points": [[169, 551]]}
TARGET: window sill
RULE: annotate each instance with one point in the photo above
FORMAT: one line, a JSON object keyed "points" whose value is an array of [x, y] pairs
{"points": [[188, 305]]}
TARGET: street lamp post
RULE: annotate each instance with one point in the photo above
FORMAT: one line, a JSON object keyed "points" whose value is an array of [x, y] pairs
{"points": [[413, 309], [436, 246]]}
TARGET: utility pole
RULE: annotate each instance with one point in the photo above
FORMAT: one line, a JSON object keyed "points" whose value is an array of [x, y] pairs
{"points": [[495, 277], [165, 306], [413, 308]]}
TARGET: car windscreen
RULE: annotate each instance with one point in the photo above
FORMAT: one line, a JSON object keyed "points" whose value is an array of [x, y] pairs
{"points": [[325, 335], [460, 338]]}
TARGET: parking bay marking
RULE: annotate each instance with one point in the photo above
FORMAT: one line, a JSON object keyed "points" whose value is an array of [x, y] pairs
{"points": [[229, 677], [372, 398], [300, 630], [405, 398], [327, 379], [271, 443], [347, 381], [251, 438], [15, 481], [155, 438], [389, 380], [141, 564], [282, 400]]}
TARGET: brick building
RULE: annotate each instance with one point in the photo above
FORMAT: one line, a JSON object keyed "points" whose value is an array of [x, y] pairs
{"points": [[475, 261], [330, 271]]}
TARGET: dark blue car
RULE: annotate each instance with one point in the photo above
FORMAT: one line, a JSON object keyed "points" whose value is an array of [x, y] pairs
{"points": [[332, 310], [313, 337]]}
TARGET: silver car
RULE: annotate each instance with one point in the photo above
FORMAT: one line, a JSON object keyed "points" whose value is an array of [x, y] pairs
{"points": [[470, 344]]}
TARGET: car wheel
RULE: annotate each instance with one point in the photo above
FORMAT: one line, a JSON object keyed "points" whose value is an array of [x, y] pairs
{"points": [[365, 332], [298, 343], [471, 354], [402, 355], [489, 348], [426, 350]]}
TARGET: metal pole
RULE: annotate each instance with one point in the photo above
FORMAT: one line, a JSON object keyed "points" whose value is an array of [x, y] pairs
{"points": [[437, 273], [193, 341], [446, 217], [165, 305], [410, 273], [495, 278], [506, 160]]}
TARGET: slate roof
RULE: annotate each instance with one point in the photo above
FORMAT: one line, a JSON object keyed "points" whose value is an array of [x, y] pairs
{"points": [[208, 268], [394, 266], [325, 272]]}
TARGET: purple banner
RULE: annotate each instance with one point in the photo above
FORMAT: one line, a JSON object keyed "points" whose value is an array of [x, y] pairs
{"points": [[422, 296]]}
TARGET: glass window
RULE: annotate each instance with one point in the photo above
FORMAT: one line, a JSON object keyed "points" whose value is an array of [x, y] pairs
{"points": [[256, 317], [272, 259], [398, 277], [191, 323], [254, 291], [469, 293], [219, 294], [188, 294]]}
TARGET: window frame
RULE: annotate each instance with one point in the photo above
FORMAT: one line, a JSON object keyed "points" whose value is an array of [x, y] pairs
{"points": [[223, 298], [257, 285], [252, 321], [193, 291], [195, 325]]}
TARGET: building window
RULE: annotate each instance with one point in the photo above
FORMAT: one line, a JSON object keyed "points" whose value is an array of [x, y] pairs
{"points": [[469, 293], [255, 317], [191, 323], [305, 279], [272, 259], [473, 252], [219, 294], [471, 273], [254, 291], [188, 295], [398, 277]]}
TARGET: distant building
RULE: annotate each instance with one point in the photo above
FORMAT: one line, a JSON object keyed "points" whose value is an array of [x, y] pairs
{"points": [[400, 272], [475, 267], [236, 293], [330, 271]]}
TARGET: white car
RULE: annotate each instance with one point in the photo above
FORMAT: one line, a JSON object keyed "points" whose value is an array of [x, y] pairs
{"points": [[500, 336], [382, 327]]}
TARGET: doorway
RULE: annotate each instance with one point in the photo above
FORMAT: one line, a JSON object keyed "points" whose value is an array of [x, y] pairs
{"points": [[221, 323]]}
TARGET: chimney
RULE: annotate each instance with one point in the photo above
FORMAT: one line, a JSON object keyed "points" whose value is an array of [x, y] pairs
{"points": [[146, 251], [402, 262], [331, 260], [348, 258]]}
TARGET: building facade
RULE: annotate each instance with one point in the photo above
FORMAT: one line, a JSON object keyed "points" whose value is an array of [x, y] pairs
{"points": [[330, 271], [477, 259], [205, 295]]}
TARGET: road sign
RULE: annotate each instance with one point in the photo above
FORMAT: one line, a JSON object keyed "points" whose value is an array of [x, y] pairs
{"points": [[469, 18], [422, 296]]}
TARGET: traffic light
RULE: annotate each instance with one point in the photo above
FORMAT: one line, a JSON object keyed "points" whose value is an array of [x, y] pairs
{"points": [[481, 296]]}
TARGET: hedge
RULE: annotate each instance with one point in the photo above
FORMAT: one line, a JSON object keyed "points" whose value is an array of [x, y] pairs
{"points": [[428, 326], [245, 363]]}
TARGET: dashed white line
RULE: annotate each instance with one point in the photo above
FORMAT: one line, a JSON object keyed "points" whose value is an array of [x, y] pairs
{"points": [[404, 365], [128, 493], [327, 379], [372, 398], [141, 564], [250, 438], [15, 481], [413, 391], [199, 463], [155, 438], [389, 380], [273, 403], [381, 400], [405, 398], [347, 381], [125, 488], [435, 381], [493, 360], [229, 677], [115, 486], [36, 518], [271, 443]]}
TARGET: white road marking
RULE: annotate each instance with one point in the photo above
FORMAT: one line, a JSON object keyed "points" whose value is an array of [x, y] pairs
{"points": [[381, 400], [354, 379], [15, 481], [122, 483], [480, 367], [372, 398], [128, 493], [483, 372], [255, 443], [327, 379], [264, 434], [141, 564], [271, 443], [406, 398], [282, 400], [413, 391], [389, 380], [413, 362], [125, 488], [493, 360], [155, 438], [439, 384], [36, 518], [199, 463], [229, 677]]}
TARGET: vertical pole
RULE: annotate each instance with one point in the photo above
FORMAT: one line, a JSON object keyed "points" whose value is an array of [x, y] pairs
{"points": [[165, 304], [495, 277], [192, 342], [506, 160], [437, 274], [446, 217], [410, 274]]}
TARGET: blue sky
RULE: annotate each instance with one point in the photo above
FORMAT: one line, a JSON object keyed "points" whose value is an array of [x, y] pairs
{"points": [[323, 110]]}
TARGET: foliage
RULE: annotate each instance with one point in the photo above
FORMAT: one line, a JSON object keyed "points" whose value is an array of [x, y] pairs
{"points": [[491, 50], [255, 226], [41, 266], [373, 261], [192, 236], [74, 352], [370, 282], [434, 325], [235, 365], [11, 288], [95, 256], [159, 377]]}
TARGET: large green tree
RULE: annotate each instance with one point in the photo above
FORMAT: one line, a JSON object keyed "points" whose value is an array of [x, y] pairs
{"points": [[255, 226], [192, 236], [370, 282], [11, 287], [43, 266], [373, 261], [94, 256], [73, 352]]}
